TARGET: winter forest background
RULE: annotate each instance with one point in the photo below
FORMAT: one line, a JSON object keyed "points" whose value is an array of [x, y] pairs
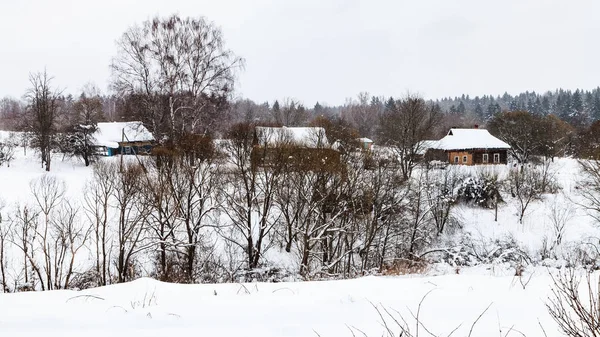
{"points": [[579, 108]]}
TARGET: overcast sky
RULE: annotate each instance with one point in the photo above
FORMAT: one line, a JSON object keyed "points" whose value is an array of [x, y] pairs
{"points": [[326, 50]]}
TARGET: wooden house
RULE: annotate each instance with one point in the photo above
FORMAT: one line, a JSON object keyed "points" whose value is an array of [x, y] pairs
{"points": [[467, 147], [294, 148], [126, 138]]}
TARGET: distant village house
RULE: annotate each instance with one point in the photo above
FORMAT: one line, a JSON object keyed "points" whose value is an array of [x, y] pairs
{"points": [[365, 143], [298, 148], [126, 138], [466, 147]]}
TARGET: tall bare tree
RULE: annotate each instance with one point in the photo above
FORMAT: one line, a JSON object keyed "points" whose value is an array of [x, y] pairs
{"points": [[42, 114], [132, 214], [4, 232], [290, 113], [362, 112], [523, 131], [404, 125], [177, 67], [98, 198]]}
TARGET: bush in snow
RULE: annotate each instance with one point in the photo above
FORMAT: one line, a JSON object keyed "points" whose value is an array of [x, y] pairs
{"points": [[7, 150], [470, 252], [482, 190]]}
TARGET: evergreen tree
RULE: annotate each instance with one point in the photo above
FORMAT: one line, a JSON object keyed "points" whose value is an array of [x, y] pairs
{"points": [[537, 107], [390, 105], [318, 109], [595, 111], [461, 108], [546, 105], [493, 109], [79, 139], [576, 103], [479, 111]]}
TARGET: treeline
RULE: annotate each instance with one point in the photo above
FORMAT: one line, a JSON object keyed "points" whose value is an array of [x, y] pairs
{"points": [[579, 108]]}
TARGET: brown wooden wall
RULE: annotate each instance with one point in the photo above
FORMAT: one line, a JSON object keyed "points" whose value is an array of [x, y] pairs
{"points": [[475, 157], [297, 158], [460, 154]]}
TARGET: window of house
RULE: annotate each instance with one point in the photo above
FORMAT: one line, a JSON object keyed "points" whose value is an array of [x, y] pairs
{"points": [[464, 159], [496, 157], [127, 149], [486, 158], [456, 160]]}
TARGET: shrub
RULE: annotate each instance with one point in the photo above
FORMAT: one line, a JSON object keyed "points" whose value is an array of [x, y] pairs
{"points": [[7, 153], [482, 190]]}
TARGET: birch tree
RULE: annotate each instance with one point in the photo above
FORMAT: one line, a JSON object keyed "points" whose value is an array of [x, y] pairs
{"points": [[177, 67]]}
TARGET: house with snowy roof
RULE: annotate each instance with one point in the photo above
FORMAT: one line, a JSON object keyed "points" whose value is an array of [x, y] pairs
{"points": [[467, 147], [365, 143], [127, 138], [297, 148]]}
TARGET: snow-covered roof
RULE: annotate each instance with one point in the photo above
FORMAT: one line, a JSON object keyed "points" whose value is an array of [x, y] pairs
{"points": [[465, 139], [365, 140], [111, 133], [425, 145], [300, 136]]}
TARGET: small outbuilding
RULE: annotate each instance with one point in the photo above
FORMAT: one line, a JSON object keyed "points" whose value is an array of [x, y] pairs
{"points": [[126, 138], [365, 143]]}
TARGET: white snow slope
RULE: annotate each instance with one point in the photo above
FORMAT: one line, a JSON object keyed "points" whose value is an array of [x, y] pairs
{"points": [[150, 308]]}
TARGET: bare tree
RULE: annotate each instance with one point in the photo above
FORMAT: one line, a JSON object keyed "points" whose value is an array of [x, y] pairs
{"points": [[404, 126], [69, 236], [98, 196], [4, 233], [320, 193], [526, 186], [48, 193], [290, 113], [42, 115], [161, 222], [560, 214], [196, 204], [25, 229], [589, 187], [363, 113], [441, 196], [175, 66], [132, 214], [417, 227], [526, 133], [576, 307], [387, 191], [248, 192]]}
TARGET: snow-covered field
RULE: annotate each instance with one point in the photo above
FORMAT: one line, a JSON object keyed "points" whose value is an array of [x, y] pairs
{"points": [[149, 308]]}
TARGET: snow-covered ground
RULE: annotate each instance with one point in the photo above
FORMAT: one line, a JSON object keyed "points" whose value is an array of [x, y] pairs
{"points": [[330, 308], [149, 308]]}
